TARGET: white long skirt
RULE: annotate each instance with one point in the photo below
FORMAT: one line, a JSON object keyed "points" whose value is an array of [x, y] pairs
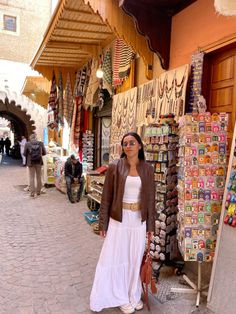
{"points": [[117, 277]]}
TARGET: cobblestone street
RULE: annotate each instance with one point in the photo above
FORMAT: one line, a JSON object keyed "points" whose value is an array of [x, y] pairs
{"points": [[48, 253]]}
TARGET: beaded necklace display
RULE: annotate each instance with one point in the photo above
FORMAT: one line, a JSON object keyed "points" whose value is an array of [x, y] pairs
{"points": [[179, 87], [138, 113], [132, 96], [161, 91]]}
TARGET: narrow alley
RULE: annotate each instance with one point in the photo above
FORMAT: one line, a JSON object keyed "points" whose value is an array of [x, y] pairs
{"points": [[49, 253]]}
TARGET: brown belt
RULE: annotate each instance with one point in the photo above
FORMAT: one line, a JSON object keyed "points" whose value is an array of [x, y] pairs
{"points": [[132, 206]]}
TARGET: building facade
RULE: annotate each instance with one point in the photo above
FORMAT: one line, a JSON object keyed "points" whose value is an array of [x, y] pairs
{"points": [[22, 25]]}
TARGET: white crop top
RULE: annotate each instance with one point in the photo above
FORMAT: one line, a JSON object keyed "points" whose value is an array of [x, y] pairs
{"points": [[132, 189]]}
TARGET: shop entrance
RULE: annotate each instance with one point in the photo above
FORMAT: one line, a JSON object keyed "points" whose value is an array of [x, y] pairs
{"points": [[220, 84]]}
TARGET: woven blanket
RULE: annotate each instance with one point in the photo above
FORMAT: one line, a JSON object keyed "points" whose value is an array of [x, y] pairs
{"points": [[92, 85], [80, 82]]}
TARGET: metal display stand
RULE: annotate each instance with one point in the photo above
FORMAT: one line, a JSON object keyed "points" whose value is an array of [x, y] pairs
{"points": [[222, 283], [195, 288]]}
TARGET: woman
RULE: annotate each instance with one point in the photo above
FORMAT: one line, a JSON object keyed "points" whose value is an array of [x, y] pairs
{"points": [[127, 213]]}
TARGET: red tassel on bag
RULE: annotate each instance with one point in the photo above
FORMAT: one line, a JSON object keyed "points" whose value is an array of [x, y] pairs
{"points": [[146, 273]]}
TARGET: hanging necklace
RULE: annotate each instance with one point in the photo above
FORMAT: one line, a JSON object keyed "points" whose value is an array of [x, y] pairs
{"points": [[179, 87], [161, 87], [108, 123], [132, 103]]}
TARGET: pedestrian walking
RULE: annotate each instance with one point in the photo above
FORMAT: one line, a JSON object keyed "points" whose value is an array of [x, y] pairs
{"points": [[127, 214], [7, 144], [34, 150], [73, 173], [2, 146], [22, 148]]}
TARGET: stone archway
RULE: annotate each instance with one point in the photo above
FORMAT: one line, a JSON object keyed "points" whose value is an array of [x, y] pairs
{"points": [[26, 116], [21, 123]]}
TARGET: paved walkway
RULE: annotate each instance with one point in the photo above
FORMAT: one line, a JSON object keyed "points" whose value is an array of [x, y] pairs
{"points": [[48, 253]]}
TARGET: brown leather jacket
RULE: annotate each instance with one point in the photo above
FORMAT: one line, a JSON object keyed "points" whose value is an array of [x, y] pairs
{"points": [[113, 191]]}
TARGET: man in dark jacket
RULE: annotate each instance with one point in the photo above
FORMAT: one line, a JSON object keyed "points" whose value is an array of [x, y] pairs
{"points": [[7, 143], [73, 173]]}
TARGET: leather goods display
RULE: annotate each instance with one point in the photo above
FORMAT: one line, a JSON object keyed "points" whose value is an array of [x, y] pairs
{"points": [[146, 274]]}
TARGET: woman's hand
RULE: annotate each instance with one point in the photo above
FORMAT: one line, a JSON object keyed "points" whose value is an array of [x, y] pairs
{"points": [[103, 233], [151, 233]]}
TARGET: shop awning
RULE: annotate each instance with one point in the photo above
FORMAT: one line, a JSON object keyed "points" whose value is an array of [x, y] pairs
{"points": [[37, 89], [74, 34], [79, 29]]}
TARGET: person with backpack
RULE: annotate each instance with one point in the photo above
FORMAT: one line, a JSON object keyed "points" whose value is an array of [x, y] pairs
{"points": [[33, 151]]}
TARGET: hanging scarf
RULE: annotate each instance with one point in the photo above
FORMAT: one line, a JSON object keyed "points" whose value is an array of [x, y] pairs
{"points": [[107, 69], [126, 55], [92, 85], [60, 99], [52, 104], [68, 108], [80, 82], [116, 63]]}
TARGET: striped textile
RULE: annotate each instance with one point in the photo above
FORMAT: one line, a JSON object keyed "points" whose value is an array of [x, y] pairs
{"points": [[107, 69], [60, 99], [53, 93], [77, 127], [126, 55], [72, 131], [52, 104], [68, 108], [92, 85], [80, 82], [121, 62], [116, 63]]}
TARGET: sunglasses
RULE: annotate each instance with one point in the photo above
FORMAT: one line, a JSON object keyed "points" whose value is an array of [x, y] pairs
{"points": [[130, 143]]}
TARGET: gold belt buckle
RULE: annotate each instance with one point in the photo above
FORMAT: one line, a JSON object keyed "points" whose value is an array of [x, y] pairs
{"points": [[132, 206]]}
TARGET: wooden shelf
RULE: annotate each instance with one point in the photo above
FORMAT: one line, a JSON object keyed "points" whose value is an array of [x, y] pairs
{"points": [[94, 198], [95, 189]]}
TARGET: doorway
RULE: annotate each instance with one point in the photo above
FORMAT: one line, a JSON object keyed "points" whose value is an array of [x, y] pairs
{"points": [[219, 86]]}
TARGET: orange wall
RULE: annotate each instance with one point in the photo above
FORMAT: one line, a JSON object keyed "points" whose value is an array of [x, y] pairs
{"points": [[197, 26]]}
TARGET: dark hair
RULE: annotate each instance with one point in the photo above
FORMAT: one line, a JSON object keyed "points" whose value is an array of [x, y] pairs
{"points": [[72, 157], [141, 155]]}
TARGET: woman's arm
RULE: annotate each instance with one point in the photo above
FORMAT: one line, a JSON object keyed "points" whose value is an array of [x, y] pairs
{"points": [[106, 201]]}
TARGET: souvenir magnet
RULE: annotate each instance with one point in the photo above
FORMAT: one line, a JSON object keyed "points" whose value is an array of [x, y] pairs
{"points": [[207, 195], [208, 138], [201, 150], [209, 244], [207, 219], [195, 244], [215, 117], [202, 127], [208, 207], [215, 127], [222, 148], [200, 218], [201, 244], [201, 171]]}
